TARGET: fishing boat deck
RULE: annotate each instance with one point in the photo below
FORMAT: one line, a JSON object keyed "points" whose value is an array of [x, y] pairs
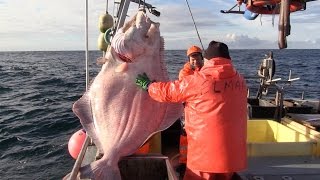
{"points": [[284, 168], [147, 166], [310, 120], [259, 168], [158, 166]]}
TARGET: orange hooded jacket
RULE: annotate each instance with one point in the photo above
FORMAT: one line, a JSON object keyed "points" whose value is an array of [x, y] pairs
{"points": [[215, 115], [186, 71]]}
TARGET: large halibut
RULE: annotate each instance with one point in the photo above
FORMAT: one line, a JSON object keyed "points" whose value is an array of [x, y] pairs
{"points": [[118, 115]]}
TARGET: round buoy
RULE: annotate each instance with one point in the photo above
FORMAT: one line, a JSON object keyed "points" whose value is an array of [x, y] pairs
{"points": [[250, 15], [105, 22], [102, 45], [75, 143]]}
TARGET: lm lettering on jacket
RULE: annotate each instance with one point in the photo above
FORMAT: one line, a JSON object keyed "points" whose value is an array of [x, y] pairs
{"points": [[228, 85]]}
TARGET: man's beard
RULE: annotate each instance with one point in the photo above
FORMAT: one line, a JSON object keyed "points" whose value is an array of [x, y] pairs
{"points": [[193, 67]]}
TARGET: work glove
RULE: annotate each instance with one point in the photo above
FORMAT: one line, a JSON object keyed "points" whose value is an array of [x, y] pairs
{"points": [[143, 81]]}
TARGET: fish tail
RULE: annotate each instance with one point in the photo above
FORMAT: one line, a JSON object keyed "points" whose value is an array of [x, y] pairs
{"points": [[100, 170]]}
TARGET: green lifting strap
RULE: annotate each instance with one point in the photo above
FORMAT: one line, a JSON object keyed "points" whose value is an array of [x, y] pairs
{"points": [[107, 36]]}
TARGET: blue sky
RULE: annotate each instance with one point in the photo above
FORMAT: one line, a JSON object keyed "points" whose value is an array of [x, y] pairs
{"points": [[59, 25]]}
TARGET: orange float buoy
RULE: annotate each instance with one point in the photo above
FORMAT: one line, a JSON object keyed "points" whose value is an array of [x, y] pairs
{"points": [[183, 149], [75, 143], [261, 6]]}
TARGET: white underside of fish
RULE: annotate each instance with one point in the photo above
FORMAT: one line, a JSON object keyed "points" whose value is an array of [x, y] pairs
{"points": [[117, 114]]}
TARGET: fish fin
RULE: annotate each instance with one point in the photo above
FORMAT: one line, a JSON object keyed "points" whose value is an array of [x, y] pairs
{"points": [[101, 60], [122, 67], [162, 63], [129, 24], [67, 177], [100, 169], [82, 109], [174, 111], [162, 46]]}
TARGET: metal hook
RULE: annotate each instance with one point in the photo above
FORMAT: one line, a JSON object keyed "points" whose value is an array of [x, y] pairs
{"points": [[144, 6]]}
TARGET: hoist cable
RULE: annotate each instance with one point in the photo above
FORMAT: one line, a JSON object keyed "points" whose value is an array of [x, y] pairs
{"points": [[194, 23]]}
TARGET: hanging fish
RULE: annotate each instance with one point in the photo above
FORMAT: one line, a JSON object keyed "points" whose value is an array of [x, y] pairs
{"points": [[116, 114]]}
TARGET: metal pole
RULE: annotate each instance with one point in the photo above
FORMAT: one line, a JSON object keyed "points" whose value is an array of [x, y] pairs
{"points": [[122, 13], [87, 48], [80, 157]]}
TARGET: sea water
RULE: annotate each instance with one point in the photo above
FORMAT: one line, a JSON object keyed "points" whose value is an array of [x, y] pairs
{"points": [[37, 90]]}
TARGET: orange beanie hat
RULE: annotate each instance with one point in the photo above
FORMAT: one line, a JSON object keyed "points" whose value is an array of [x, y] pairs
{"points": [[193, 49]]}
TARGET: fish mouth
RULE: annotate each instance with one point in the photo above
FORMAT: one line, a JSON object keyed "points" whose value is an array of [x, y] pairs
{"points": [[123, 57], [118, 56]]}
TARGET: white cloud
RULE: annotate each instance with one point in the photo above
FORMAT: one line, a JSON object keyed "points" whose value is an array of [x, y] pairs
{"points": [[231, 37], [60, 25], [245, 42]]}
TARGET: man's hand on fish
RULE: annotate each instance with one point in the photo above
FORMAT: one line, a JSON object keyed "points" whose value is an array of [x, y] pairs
{"points": [[143, 81]]}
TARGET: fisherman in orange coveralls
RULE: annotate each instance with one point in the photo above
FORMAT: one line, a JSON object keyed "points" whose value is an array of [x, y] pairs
{"points": [[195, 62], [215, 115]]}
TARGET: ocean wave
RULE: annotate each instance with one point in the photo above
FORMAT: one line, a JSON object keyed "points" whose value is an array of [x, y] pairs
{"points": [[52, 82], [4, 90], [37, 90]]}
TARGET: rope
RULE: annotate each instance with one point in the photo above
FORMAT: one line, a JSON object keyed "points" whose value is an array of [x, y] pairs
{"points": [[107, 6], [274, 12], [143, 4], [195, 26]]}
